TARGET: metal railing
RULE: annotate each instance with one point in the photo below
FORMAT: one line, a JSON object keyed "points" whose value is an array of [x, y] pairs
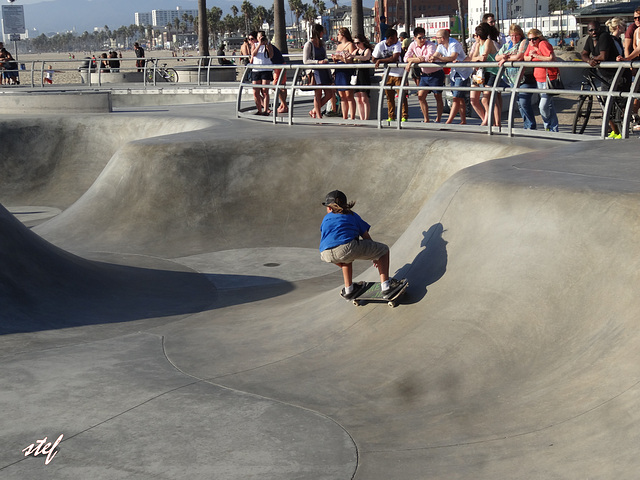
{"points": [[87, 70], [295, 90], [205, 73]]}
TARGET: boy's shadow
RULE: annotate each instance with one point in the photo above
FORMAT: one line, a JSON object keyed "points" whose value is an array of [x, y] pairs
{"points": [[428, 266]]}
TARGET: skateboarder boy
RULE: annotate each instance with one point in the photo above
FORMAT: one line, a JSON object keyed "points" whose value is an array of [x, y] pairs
{"points": [[345, 238]]}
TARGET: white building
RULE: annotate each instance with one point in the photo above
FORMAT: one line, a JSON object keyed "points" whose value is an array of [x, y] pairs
{"points": [[143, 19], [162, 18], [506, 12]]}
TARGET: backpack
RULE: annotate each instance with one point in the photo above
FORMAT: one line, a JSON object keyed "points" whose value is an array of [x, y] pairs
{"points": [[277, 58]]}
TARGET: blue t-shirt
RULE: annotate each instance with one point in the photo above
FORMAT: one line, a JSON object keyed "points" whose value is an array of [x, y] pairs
{"points": [[340, 228]]}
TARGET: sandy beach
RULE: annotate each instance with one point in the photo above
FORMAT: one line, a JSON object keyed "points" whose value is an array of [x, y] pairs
{"points": [[66, 65]]}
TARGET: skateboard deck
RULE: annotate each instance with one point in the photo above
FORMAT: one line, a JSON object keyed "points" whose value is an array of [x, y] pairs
{"points": [[372, 292]]}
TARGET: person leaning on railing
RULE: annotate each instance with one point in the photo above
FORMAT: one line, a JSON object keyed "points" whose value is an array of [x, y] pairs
{"points": [[539, 50], [632, 54], [601, 47], [513, 51]]}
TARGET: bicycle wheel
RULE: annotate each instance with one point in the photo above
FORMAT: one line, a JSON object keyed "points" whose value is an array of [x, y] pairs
{"points": [[171, 75], [583, 112], [617, 115]]}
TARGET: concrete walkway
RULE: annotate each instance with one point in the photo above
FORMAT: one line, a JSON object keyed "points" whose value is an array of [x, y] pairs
{"points": [[175, 320]]}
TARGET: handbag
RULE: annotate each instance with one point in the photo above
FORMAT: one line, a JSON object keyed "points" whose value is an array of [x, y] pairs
{"points": [[354, 79], [477, 78], [554, 84]]}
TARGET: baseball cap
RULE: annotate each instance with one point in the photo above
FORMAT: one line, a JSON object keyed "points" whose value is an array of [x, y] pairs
{"points": [[336, 197]]}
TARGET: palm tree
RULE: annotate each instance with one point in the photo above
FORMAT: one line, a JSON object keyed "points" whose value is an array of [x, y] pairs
{"points": [[309, 16], [279, 26], [234, 10], [261, 16], [247, 11], [176, 22], [203, 32], [357, 17], [297, 8], [461, 20], [213, 19]]}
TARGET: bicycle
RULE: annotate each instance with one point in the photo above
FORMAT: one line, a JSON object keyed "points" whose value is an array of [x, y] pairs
{"points": [[160, 72], [585, 104]]}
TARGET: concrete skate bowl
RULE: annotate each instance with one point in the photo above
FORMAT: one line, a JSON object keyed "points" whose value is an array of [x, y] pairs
{"points": [[513, 356]]}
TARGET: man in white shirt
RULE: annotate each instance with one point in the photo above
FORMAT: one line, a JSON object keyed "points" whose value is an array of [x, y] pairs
{"points": [[450, 50], [390, 51]]}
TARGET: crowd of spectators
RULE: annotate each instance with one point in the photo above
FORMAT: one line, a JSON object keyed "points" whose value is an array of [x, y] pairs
{"points": [[616, 42]]}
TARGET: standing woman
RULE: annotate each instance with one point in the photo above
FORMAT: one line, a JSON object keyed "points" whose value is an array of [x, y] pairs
{"points": [[362, 55], [344, 50], [513, 51], [314, 53], [539, 50], [486, 52], [261, 53]]}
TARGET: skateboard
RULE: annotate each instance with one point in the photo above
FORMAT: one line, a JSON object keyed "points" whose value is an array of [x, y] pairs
{"points": [[373, 293]]}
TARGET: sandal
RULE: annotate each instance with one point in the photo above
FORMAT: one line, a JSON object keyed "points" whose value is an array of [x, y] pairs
{"points": [[312, 114]]}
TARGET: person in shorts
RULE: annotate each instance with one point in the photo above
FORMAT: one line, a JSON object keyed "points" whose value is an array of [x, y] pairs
{"points": [[261, 53], [421, 50], [450, 50], [345, 238]]}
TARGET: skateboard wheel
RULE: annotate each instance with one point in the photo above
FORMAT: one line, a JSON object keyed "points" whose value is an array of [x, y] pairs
{"points": [[392, 304], [356, 303]]}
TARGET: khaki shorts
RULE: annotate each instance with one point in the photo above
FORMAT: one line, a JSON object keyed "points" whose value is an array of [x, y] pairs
{"points": [[354, 250]]}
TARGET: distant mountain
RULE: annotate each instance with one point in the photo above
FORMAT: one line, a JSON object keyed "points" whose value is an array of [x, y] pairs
{"points": [[81, 15], [48, 16]]}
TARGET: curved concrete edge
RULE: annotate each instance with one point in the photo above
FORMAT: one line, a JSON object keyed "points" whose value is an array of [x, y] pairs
{"points": [[44, 103], [199, 191], [124, 410], [51, 161]]}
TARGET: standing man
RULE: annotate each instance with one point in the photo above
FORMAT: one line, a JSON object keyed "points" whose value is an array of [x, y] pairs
{"points": [[390, 51], [490, 18], [382, 28], [421, 50], [599, 47], [629, 42], [139, 51], [450, 50]]}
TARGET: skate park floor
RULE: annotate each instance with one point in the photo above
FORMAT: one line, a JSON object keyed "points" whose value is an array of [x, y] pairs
{"points": [[165, 309]]}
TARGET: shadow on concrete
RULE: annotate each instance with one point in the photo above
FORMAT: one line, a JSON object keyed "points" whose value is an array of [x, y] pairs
{"points": [[43, 287], [427, 267]]}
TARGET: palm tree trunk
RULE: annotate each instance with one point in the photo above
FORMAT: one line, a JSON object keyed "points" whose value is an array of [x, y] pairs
{"points": [[357, 18], [280, 26], [203, 31], [407, 17]]}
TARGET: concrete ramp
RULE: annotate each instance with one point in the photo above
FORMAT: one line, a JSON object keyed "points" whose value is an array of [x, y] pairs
{"points": [[43, 287], [516, 354]]}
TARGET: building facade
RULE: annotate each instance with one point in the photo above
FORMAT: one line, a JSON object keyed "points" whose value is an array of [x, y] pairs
{"points": [[394, 10], [162, 18]]}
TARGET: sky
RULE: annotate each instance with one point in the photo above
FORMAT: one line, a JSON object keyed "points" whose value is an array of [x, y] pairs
{"points": [[62, 15]]}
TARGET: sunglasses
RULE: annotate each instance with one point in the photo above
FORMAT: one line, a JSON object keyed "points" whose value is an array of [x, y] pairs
{"points": [[591, 30], [533, 39], [636, 18], [420, 38]]}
